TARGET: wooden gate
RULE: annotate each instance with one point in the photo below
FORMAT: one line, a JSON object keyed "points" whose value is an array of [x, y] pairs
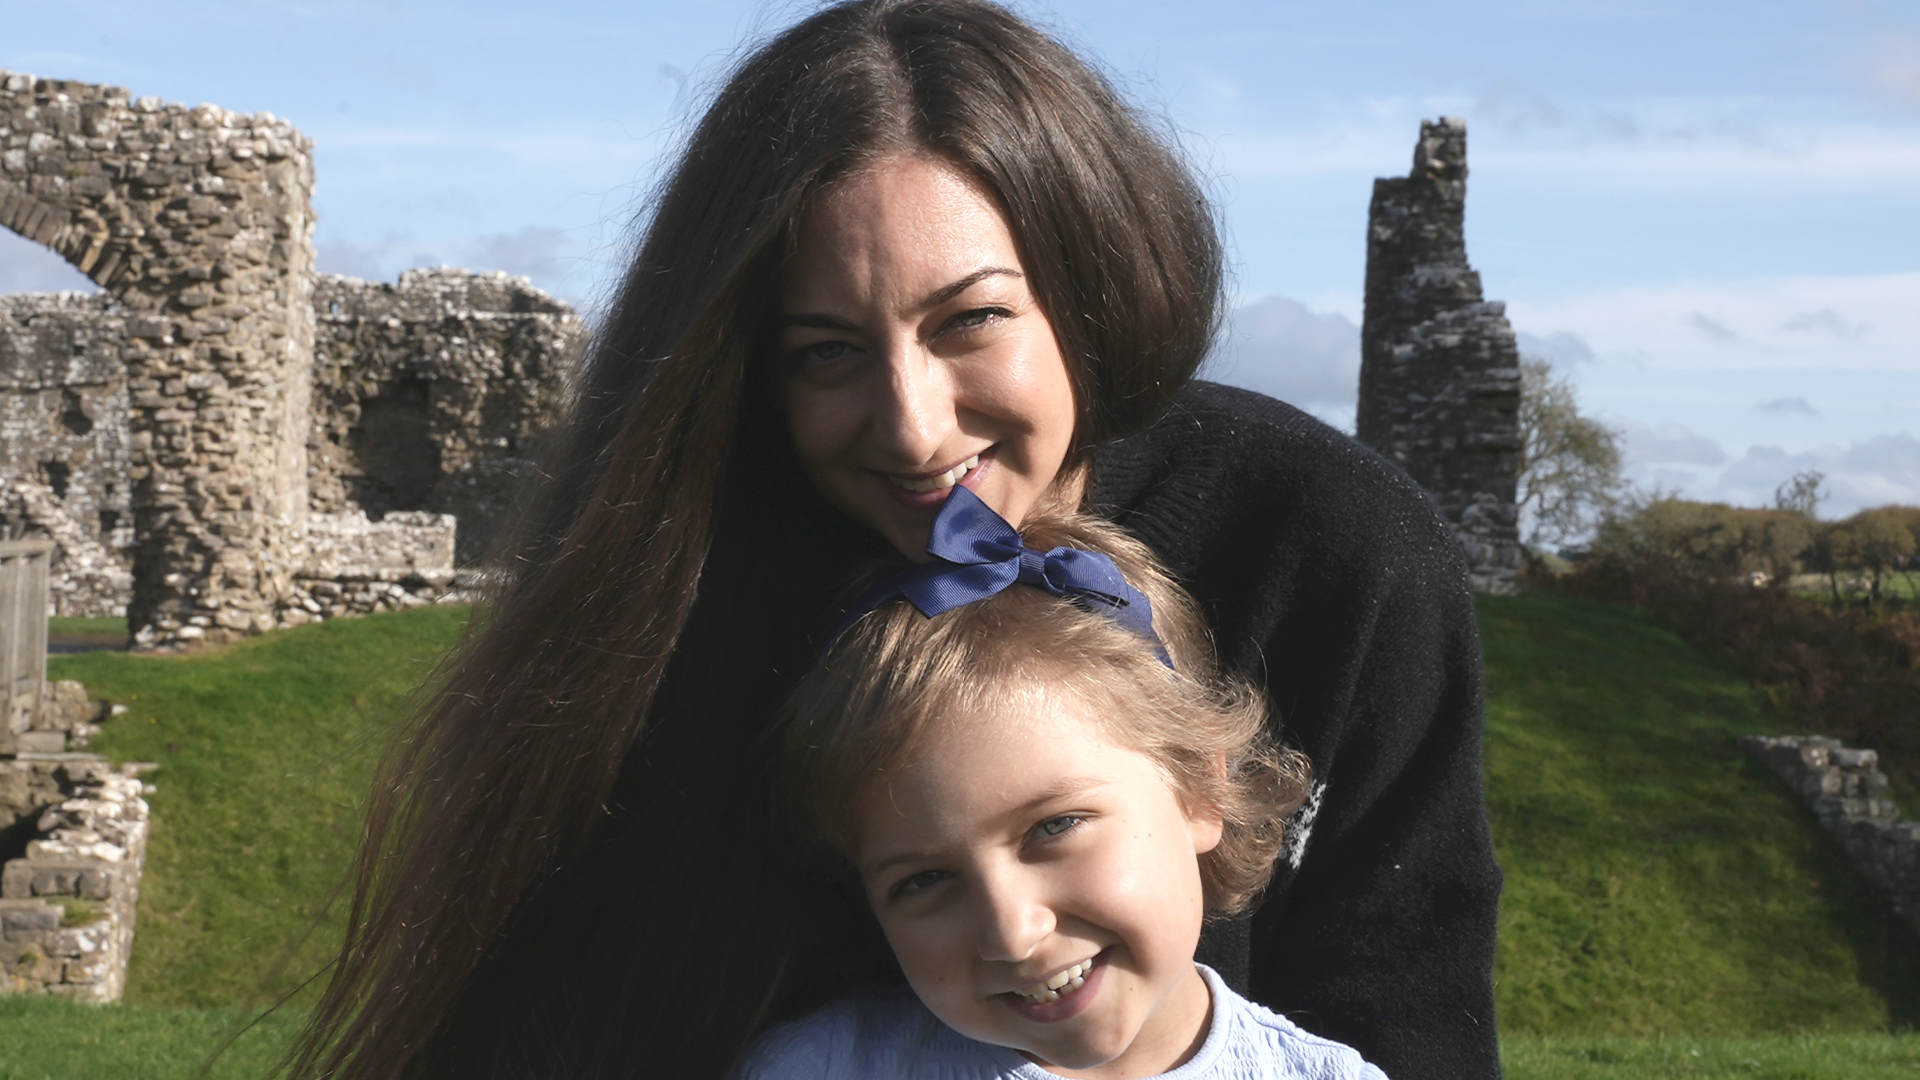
{"points": [[23, 631]]}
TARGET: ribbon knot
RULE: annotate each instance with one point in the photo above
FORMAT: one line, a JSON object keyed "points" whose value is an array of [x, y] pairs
{"points": [[977, 554]]}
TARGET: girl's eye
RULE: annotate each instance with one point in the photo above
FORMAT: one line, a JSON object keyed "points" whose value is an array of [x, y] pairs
{"points": [[1056, 826], [923, 880], [819, 352]]}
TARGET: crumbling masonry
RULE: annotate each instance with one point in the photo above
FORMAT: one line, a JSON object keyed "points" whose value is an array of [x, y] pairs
{"points": [[1439, 371], [220, 442], [1848, 793], [198, 222]]}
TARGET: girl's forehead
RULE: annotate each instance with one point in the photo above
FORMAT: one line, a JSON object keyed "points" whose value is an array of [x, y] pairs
{"points": [[1005, 749]]}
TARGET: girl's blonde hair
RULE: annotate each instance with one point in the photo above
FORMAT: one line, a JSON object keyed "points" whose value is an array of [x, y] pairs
{"points": [[891, 678]]}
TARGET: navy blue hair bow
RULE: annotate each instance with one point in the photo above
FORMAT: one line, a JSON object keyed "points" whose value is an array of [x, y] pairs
{"points": [[977, 554]]}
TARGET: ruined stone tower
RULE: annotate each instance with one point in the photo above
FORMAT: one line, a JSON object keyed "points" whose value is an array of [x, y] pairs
{"points": [[1439, 371], [199, 224]]}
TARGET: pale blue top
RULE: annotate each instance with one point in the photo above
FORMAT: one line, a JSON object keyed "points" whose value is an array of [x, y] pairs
{"points": [[891, 1036]]}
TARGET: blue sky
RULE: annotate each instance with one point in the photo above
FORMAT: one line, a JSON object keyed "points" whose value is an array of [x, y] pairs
{"points": [[1705, 213]]}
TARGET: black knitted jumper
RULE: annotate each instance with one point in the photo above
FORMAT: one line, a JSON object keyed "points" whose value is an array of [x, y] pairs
{"points": [[1327, 577]]}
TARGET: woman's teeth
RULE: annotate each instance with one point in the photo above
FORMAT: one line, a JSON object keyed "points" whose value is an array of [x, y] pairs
{"points": [[1059, 986], [944, 480]]}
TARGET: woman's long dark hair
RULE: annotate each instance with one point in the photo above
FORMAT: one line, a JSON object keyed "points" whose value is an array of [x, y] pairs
{"points": [[570, 866]]}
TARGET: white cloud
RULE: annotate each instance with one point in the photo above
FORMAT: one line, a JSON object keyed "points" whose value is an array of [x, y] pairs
{"points": [[1871, 472], [1280, 347], [1669, 444], [1825, 320], [1893, 66], [1559, 348], [533, 251], [1711, 327], [1763, 144], [555, 259], [1666, 325], [1788, 405]]}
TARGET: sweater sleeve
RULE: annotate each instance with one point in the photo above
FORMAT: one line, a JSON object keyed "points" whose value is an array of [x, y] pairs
{"points": [[1328, 578]]}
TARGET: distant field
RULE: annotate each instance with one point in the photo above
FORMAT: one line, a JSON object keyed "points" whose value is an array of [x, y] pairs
{"points": [[1904, 585]]}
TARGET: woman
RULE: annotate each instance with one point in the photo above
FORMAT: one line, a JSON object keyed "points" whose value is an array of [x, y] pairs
{"points": [[911, 243]]}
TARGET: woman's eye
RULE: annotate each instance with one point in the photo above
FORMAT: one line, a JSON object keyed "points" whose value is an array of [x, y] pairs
{"points": [[1056, 826], [968, 320]]}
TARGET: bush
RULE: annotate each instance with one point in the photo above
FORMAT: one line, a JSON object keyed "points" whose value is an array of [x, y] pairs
{"points": [[1849, 672]]}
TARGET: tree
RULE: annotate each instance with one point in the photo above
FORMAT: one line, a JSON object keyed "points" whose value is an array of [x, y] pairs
{"points": [[1874, 541], [1569, 464], [1800, 495]]}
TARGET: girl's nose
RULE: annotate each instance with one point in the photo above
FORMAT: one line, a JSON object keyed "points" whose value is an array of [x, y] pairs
{"points": [[1012, 922], [913, 414]]}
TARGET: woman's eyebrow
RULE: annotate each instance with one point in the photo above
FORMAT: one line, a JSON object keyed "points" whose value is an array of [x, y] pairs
{"points": [[822, 321], [947, 292]]}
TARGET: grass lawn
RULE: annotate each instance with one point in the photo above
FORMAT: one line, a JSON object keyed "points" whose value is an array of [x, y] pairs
{"points": [[1660, 882], [1670, 909], [264, 748], [48, 1039], [1776, 1057]]}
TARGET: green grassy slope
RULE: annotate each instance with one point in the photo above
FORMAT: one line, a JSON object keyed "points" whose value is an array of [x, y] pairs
{"points": [[1670, 909], [265, 749], [1659, 882]]}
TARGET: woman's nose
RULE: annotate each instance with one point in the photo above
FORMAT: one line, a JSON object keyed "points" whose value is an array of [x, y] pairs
{"points": [[913, 414], [1013, 921]]}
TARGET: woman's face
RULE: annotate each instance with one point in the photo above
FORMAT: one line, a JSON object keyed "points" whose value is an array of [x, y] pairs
{"points": [[914, 355]]}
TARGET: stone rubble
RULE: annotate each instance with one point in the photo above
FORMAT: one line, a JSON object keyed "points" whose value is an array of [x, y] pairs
{"points": [[1848, 793], [67, 907]]}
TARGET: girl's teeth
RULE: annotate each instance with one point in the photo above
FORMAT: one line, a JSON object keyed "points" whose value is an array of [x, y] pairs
{"points": [[1059, 985], [944, 480]]}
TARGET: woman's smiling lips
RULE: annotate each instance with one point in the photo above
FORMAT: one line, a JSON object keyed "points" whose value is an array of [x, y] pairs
{"points": [[926, 490]]}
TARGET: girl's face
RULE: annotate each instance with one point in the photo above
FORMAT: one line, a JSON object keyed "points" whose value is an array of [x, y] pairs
{"points": [[914, 355], [1021, 849]]}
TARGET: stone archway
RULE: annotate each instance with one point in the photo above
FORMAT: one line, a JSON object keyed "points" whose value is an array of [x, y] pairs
{"points": [[199, 223]]}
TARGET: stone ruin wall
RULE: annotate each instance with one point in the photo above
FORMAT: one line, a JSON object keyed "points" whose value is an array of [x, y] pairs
{"points": [[1439, 371], [198, 222], [67, 903], [206, 436], [73, 828], [426, 399], [430, 395], [63, 443], [1847, 792]]}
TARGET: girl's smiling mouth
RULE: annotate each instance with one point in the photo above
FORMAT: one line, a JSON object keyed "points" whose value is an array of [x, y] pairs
{"points": [[1058, 985], [1043, 1003]]}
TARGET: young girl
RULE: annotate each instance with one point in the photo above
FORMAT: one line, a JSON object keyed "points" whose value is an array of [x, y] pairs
{"points": [[1042, 789]]}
